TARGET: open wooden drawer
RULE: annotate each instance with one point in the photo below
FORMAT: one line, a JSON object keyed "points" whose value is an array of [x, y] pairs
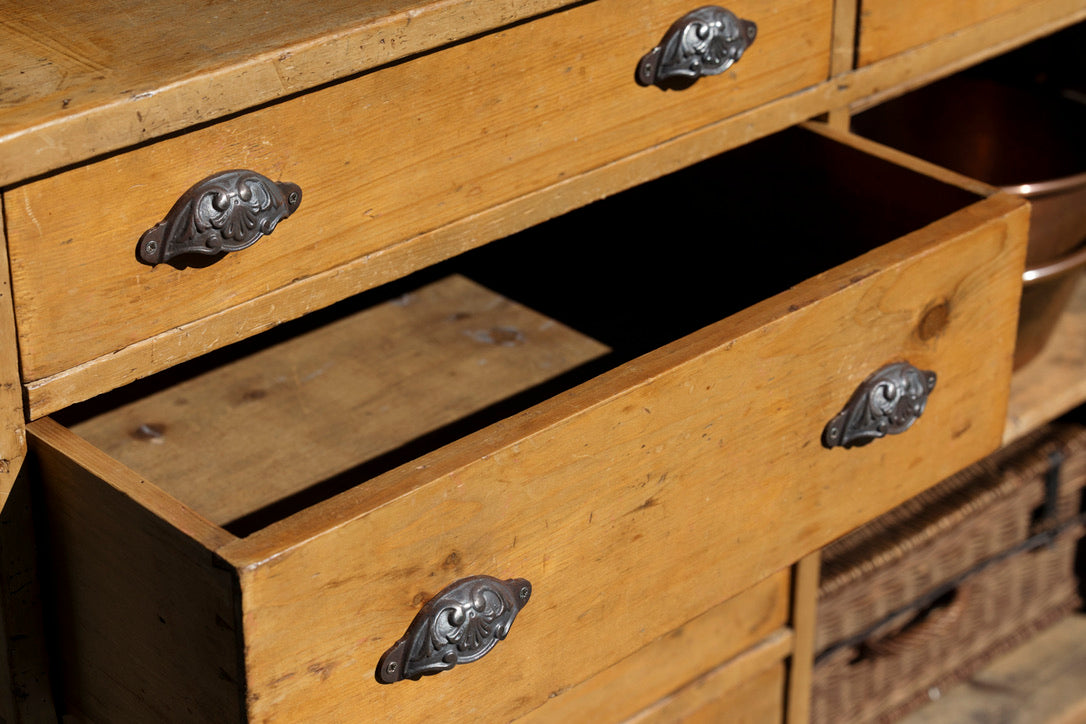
{"points": [[738, 306]]}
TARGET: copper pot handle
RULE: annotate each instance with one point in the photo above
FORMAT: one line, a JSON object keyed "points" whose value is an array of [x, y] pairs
{"points": [[227, 211], [886, 403], [459, 625], [706, 41], [1070, 262]]}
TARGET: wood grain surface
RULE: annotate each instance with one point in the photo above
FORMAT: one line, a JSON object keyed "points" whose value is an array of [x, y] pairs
{"points": [[380, 160], [676, 659], [856, 89], [748, 690], [620, 499], [78, 80], [247, 434], [804, 624], [888, 27]]}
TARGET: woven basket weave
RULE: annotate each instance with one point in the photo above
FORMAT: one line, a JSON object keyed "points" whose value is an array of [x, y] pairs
{"points": [[927, 593]]}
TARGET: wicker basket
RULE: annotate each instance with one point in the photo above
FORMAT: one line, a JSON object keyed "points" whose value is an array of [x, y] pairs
{"points": [[924, 595]]}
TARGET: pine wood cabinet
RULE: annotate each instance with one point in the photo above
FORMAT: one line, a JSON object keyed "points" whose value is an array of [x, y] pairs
{"points": [[524, 316]]}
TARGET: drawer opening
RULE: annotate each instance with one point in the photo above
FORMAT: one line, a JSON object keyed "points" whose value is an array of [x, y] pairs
{"points": [[256, 432]]}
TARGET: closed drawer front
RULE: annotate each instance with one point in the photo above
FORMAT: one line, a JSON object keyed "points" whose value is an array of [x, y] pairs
{"points": [[888, 27], [744, 635], [633, 501], [747, 689], [383, 159]]}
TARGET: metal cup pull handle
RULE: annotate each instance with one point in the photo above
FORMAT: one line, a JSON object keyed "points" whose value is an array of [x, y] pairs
{"points": [[886, 403], [228, 211], [706, 41], [459, 625]]}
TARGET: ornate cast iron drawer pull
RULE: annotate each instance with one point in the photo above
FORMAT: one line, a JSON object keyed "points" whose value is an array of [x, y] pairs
{"points": [[705, 41], [225, 212], [886, 403], [457, 626]]}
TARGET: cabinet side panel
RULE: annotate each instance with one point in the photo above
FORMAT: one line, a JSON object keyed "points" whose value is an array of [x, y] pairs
{"points": [[25, 690], [144, 614]]}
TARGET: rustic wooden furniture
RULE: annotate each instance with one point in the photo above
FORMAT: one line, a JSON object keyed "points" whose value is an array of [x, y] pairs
{"points": [[605, 406]]}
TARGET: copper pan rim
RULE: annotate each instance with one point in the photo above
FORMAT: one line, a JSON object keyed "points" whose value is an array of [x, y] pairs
{"points": [[1047, 187], [1073, 261]]}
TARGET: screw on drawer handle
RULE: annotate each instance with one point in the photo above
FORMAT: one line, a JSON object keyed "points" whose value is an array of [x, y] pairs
{"points": [[886, 403], [705, 41], [228, 211], [457, 626]]}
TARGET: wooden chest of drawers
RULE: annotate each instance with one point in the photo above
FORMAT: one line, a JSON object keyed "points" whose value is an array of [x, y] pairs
{"points": [[618, 500], [609, 408]]}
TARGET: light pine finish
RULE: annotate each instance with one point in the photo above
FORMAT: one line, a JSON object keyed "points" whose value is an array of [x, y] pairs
{"points": [[80, 91], [605, 497], [81, 80], [804, 618], [1053, 383], [676, 658], [304, 295], [380, 159], [842, 55], [83, 84], [883, 79], [747, 690], [251, 432], [888, 27], [630, 433], [945, 54]]}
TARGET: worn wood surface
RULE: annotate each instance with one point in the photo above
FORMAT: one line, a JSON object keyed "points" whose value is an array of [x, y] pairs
{"points": [[888, 27], [804, 617], [947, 53], [616, 498], [485, 122], [131, 570], [306, 294], [78, 80], [1038, 683], [675, 659], [889, 77], [1053, 383], [249, 433], [842, 56], [747, 690], [78, 84]]}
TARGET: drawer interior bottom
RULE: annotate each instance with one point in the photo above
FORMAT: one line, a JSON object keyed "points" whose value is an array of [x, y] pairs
{"points": [[250, 434]]}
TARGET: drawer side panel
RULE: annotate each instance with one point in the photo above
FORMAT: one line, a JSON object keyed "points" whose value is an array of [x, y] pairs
{"points": [[146, 616]]}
